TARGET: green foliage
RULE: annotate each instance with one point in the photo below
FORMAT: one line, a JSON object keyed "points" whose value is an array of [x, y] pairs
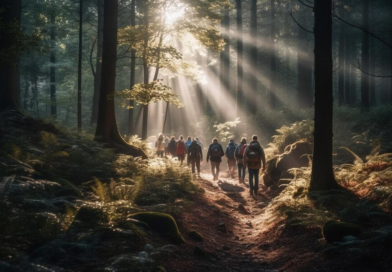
{"points": [[225, 130], [161, 222], [151, 92], [290, 134]]}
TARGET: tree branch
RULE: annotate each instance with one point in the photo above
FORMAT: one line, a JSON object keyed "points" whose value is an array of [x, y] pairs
{"points": [[369, 74], [291, 14], [306, 5], [363, 29]]}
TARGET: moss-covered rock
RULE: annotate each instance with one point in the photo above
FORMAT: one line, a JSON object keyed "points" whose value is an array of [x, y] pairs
{"points": [[334, 231], [161, 222]]}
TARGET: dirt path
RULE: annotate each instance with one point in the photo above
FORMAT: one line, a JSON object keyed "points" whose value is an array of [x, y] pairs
{"points": [[233, 226]]}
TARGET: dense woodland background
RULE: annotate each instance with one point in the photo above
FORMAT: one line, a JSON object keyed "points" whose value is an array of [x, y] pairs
{"points": [[86, 85]]}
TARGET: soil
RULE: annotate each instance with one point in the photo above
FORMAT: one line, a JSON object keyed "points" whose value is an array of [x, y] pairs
{"points": [[241, 239]]}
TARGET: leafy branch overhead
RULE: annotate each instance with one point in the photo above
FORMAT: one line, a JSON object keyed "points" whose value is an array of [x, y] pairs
{"points": [[150, 92]]}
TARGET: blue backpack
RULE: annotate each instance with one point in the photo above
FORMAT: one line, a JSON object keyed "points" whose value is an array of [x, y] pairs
{"points": [[230, 150]]}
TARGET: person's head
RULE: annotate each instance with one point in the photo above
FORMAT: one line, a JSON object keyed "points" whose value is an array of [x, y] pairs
{"points": [[197, 139], [181, 137], [215, 140], [194, 142], [160, 136], [172, 138], [254, 137], [189, 138], [231, 141], [243, 140]]}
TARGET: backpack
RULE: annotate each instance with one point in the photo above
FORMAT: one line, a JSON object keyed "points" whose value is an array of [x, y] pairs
{"points": [[194, 151], [216, 150], [230, 151], [253, 154], [241, 151], [180, 148]]}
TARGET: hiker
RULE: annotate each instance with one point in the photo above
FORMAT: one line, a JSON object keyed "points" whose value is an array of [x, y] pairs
{"points": [[239, 155], [199, 143], [180, 149], [171, 148], [214, 154], [253, 156], [160, 145], [230, 150], [166, 141], [195, 155], [187, 144]]}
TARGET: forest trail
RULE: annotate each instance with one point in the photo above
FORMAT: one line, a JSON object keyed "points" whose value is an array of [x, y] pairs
{"points": [[233, 225]]}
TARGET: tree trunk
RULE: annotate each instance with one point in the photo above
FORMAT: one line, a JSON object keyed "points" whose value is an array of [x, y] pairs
{"points": [[240, 59], [53, 103], [252, 87], [272, 92], [8, 67], [322, 177], [80, 67], [341, 66], [225, 61], [98, 64], [365, 58], [107, 130], [146, 73], [131, 122], [304, 63]]}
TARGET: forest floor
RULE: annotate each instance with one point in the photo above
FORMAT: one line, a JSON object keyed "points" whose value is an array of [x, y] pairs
{"points": [[238, 237]]}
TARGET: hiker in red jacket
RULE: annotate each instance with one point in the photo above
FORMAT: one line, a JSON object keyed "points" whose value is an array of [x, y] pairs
{"points": [[180, 149]]}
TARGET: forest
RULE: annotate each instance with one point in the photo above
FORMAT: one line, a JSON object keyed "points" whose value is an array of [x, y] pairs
{"points": [[87, 88]]}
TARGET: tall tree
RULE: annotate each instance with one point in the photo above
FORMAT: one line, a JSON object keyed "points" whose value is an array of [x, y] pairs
{"points": [[341, 66], [365, 58], [272, 91], [80, 67], [107, 130], [251, 92], [98, 63], [131, 122], [225, 57], [304, 64], [322, 177], [53, 103], [9, 51], [240, 59]]}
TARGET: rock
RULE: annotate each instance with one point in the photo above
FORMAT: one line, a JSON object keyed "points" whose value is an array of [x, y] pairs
{"points": [[334, 231], [242, 209], [294, 156], [249, 224], [222, 227], [198, 251], [161, 222], [194, 235]]}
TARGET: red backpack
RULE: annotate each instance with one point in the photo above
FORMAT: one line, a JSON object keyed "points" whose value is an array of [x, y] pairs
{"points": [[180, 150], [243, 147]]}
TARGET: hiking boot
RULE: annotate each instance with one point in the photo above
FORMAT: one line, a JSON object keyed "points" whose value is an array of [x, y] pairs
{"points": [[255, 192], [251, 192]]}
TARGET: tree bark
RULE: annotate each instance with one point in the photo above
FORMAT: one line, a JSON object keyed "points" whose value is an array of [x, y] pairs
{"points": [[240, 60], [252, 87], [304, 64], [8, 67], [107, 130], [98, 64], [272, 92], [365, 58], [225, 60], [131, 122], [341, 66], [322, 177], [80, 67], [53, 104]]}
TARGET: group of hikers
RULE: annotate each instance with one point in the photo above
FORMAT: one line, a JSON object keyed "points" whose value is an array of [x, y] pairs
{"points": [[243, 155]]}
